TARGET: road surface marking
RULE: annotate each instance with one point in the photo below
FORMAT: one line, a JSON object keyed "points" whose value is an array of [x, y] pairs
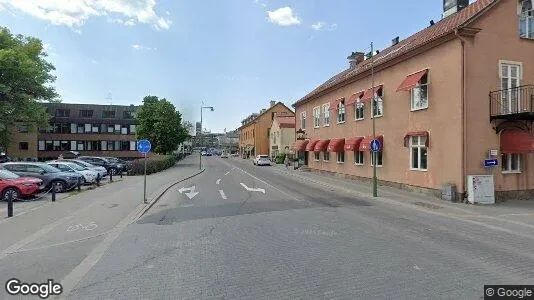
{"points": [[188, 205], [88, 227], [253, 189], [222, 194], [191, 194], [226, 173], [218, 181]]}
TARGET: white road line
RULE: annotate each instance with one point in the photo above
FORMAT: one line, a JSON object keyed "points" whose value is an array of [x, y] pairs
{"points": [[218, 181], [222, 194], [252, 189], [227, 173]]}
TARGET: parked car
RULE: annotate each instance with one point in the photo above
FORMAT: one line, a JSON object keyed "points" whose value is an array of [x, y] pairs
{"points": [[111, 167], [224, 155], [262, 160], [124, 166], [18, 187], [4, 158], [51, 177], [89, 176], [102, 172]]}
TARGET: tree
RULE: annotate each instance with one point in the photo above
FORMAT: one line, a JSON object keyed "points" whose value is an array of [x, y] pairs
{"points": [[25, 82], [160, 123]]}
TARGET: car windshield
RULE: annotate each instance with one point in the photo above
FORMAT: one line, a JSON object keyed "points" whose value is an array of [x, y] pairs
{"points": [[5, 174], [75, 167], [49, 169], [82, 163], [264, 156]]}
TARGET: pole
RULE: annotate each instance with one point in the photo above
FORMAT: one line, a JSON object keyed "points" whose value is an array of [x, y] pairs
{"points": [[201, 141], [10, 205], [144, 184], [373, 107]]}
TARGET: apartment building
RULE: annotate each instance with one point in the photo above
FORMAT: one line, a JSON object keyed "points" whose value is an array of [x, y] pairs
{"points": [[282, 135], [90, 129], [254, 132], [428, 97]]}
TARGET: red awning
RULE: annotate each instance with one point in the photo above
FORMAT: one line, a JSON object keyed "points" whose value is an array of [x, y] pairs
{"points": [[334, 104], [311, 145], [415, 133], [365, 144], [411, 80], [517, 142], [353, 144], [353, 98], [300, 145], [336, 145], [368, 95], [321, 146]]}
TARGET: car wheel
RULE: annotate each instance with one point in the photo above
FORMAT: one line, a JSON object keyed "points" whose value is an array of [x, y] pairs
{"points": [[83, 181], [59, 186], [13, 192]]}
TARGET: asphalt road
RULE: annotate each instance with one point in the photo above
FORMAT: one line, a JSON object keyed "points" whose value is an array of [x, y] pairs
{"points": [[246, 232]]}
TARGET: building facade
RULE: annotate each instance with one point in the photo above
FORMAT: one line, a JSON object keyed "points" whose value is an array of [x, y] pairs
{"points": [[254, 132], [428, 98], [282, 135]]}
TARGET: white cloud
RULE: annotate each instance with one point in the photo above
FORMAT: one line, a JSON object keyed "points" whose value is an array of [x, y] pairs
{"points": [[323, 25], [318, 25], [74, 13], [283, 16], [130, 22], [142, 48]]}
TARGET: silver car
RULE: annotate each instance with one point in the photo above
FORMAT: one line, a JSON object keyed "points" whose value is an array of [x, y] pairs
{"points": [[102, 172], [89, 176]]}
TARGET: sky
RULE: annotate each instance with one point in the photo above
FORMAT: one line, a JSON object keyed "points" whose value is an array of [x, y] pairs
{"points": [[234, 55]]}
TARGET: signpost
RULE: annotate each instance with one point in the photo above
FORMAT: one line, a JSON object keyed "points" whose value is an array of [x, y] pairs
{"points": [[376, 146], [144, 147], [492, 162]]}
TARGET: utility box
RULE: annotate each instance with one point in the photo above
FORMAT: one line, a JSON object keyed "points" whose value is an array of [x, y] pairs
{"points": [[480, 189], [448, 192]]}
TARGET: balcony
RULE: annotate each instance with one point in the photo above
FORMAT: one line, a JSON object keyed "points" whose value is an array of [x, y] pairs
{"points": [[512, 104], [526, 25]]}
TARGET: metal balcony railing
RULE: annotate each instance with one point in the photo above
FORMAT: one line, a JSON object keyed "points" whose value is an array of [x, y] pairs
{"points": [[526, 25], [514, 103]]}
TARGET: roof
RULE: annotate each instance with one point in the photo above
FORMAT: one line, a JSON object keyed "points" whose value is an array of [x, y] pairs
{"points": [[286, 121], [429, 34], [265, 112]]}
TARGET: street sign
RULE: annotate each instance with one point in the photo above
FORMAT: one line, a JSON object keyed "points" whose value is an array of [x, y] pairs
{"points": [[491, 162], [375, 145], [144, 146]]}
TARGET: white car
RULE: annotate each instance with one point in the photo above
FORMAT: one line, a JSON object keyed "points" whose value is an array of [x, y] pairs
{"points": [[102, 172], [262, 160], [89, 176]]}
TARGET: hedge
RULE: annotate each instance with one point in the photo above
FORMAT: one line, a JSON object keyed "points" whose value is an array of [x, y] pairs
{"points": [[280, 158], [154, 164]]}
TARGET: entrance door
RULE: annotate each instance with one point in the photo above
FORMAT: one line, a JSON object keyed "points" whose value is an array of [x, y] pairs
{"points": [[510, 81]]}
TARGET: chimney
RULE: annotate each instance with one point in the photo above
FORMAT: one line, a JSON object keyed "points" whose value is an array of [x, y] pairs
{"points": [[355, 58], [395, 41], [273, 103], [453, 6], [432, 23], [262, 111]]}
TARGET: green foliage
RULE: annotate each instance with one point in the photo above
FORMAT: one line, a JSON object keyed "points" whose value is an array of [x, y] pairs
{"points": [[280, 158], [154, 164], [25, 79], [161, 124]]}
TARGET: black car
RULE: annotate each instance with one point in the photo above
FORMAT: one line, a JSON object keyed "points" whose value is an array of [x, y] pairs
{"points": [[124, 166], [111, 167], [4, 158]]}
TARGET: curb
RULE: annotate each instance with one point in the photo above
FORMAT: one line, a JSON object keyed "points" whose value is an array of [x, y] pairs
{"points": [[151, 203]]}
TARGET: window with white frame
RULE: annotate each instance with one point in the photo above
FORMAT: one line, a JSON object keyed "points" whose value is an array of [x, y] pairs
{"points": [[317, 117], [359, 110], [419, 94], [378, 158], [418, 153], [340, 157], [358, 158], [316, 155], [526, 19], [326, 156], [510, 73], [378, 103], [303, 120], [341, 111], [326, 113], [511, 162]]}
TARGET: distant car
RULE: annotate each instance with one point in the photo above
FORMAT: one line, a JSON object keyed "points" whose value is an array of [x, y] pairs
{"points": [[124, 166], [89, 176], [111, 167], [102, 172], [4, 158], [224, 155], [18, 187], [262, 160], [51, 177]]}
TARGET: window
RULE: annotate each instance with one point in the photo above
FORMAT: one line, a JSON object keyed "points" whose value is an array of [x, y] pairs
{"points": [[124, 129], [358, 157], [359, 110], [49, 146], [95, 128], [108, 114], [86, 113], [61, 128], [526, 20], [23, 145], [316, 117], [88, 128], [340, 157], [132, 146], [73, 145], [92, 146], [111, 146], [378, 157], [511, 162], [316, 155], [510, 74], [117, 128], [418, 153], [57, 146], [326, 113], [80, 128], [41, 145], [104, 145], [73, 128], [341, 111], [378, 104], [420, 94], [62, 113], [23, 129], [132, 129], [125, 145], [80, 145], [111, 129], [128, 114], [303, 120], [326, 156], [65, 146]]}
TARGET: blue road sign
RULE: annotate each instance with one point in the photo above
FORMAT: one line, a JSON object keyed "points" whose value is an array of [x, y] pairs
{"points": [[144, 146], [375, 145], [491, 162]]}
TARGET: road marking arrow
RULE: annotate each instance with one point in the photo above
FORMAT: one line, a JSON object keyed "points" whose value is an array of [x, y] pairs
{"points": [[218, 181], [253, 189], [191, 194], [223, 195]]}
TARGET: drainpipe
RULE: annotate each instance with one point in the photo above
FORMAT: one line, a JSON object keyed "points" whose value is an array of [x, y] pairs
{"points": [[464, 119]]}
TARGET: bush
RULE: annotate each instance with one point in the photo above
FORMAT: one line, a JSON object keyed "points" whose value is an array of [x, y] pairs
{"points": [[280, 158], [154, 164]]}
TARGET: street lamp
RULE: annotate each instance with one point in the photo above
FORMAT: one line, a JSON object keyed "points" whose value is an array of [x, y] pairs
{"points": [[201, 137]]}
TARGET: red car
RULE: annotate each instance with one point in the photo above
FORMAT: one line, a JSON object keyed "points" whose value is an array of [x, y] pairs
{"points": [[16, 186]]}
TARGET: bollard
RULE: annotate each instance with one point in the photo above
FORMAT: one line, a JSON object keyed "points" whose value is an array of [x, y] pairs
{"points": [[110, 176], [120, 174], [53, 193], [9, 205], [98, 180], [79, 184]]}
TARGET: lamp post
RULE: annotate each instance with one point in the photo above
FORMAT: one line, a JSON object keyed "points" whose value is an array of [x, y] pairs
{"points": [[201, 137], [373, 108]]}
